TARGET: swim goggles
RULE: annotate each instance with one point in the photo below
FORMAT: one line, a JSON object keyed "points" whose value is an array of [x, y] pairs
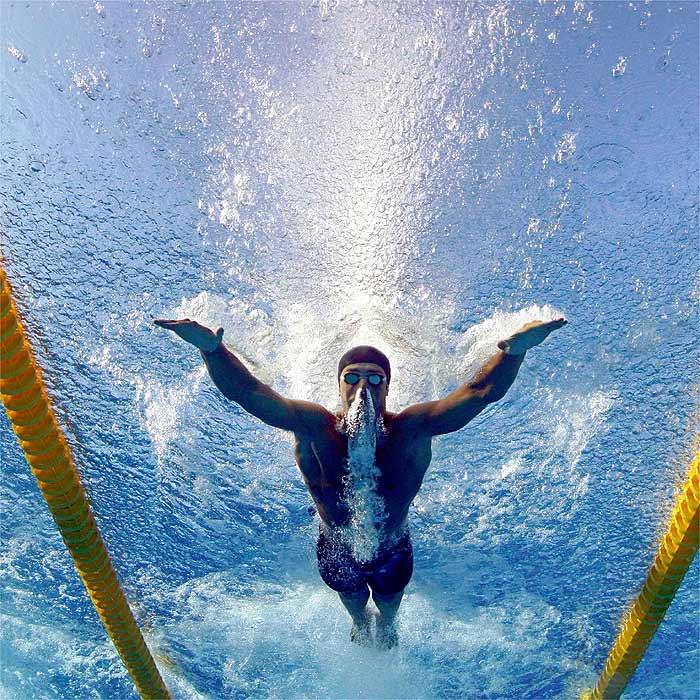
{"points": [[352, 378]]}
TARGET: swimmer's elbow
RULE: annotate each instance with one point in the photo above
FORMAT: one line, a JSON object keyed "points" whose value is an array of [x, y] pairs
{"points": [[490, 394], [456, 411]]}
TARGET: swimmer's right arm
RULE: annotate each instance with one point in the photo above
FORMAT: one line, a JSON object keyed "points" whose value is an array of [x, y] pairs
{"points": [[237, 384]]}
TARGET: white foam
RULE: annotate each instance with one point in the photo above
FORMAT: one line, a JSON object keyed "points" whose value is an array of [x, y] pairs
{"points": [[367, 507], [264, 632], [540, 482], [41, 651], [164, 408], [248, 331]]}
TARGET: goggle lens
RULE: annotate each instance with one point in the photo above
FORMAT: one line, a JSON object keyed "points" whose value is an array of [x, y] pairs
{"points": [[352, 378]]}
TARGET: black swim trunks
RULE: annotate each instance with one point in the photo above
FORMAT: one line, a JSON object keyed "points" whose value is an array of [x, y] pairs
{"points": [[388, 573]]}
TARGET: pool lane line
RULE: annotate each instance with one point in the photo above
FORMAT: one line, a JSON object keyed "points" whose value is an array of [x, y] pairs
{"points": [[673, 559], [50, 458]]}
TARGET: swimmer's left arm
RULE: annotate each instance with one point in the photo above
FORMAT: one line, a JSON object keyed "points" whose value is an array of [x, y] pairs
{"points": [[458, 408], [490, 384]]}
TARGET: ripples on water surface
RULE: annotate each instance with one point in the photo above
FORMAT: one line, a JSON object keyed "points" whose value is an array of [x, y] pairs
{"points": [[423, 177]]}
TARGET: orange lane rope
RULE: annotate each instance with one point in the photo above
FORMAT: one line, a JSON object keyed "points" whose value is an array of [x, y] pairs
{"points": [[676, 551], [49, 456]]}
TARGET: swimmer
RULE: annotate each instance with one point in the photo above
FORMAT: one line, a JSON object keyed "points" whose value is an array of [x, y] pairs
{"points": [[327, 444]]}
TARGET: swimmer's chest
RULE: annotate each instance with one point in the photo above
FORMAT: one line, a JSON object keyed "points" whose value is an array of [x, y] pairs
{"points": [[402, 465]]}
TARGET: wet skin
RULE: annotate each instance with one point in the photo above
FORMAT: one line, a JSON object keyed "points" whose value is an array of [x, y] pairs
{"points": [[403, 453], [401, 458]]}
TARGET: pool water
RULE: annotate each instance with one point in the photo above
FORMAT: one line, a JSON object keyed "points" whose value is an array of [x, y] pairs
{"points": [[425, 177]]}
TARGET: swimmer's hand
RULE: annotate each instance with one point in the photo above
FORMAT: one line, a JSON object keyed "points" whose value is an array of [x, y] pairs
{"points": [[529, 335], [200, 336]]}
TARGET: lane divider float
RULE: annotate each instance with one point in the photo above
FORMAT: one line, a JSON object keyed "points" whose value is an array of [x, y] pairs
{"points": [[49, 456], [673, 559]]}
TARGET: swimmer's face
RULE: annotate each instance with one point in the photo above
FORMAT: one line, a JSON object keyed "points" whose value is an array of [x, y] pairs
{"points": [[365, 373]]}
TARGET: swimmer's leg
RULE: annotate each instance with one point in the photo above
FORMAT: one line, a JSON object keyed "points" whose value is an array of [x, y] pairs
{"points": [[388, 582], [356, 604], [388, 605], [343, 574]]}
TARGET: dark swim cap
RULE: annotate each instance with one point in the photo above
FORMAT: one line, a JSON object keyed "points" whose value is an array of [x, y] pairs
{"points": [[365, 353]]}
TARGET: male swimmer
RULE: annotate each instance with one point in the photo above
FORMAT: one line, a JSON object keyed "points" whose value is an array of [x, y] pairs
{"points": [[364, 465]]}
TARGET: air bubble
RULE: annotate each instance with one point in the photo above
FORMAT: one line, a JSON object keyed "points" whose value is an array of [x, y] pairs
{"points": [[16, 53], [663, 62], [620, 68]]}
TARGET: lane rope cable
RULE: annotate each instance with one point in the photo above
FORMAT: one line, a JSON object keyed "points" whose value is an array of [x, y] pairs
{"points": [[50, 458], [673, 558]]}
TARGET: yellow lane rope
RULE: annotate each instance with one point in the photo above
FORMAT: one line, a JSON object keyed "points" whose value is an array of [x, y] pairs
{"points": [[675, 554], [49, 456]]}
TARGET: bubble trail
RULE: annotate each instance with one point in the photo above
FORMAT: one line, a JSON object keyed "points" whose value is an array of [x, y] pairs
{"points": [[368, 513]]}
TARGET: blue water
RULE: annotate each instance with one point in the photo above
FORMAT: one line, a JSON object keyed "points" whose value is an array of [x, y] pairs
{"points": [[425, 177]]}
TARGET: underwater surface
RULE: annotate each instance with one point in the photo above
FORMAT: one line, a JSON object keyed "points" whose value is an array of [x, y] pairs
{"points": [[424, 177]]}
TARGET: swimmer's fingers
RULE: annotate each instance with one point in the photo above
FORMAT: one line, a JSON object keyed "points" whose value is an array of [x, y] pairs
{"points": [[530, 335], [192, 332], [547, 326], [556, 323], [175, 324], [170, 323]]}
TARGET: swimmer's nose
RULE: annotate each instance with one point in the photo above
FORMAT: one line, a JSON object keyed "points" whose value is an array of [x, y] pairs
{"points": [[361, 391], [366, 395]]}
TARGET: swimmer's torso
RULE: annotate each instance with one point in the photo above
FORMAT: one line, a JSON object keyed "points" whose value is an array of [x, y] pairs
{"points": [[402, 461]]}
